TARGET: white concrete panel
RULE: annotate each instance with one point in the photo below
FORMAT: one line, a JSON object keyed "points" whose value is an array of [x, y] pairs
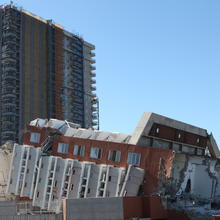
{"points": [[27, 190], [105, 209], [75, 179]]}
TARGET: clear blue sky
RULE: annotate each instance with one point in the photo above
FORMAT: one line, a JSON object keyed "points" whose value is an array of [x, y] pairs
{"points": [[161, 56]]}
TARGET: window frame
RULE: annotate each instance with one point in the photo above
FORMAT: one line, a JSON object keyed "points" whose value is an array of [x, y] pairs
{"points": [[62, 148], [35, 137], [134, 158], [98, 155], [114, 158], [78, 150]]}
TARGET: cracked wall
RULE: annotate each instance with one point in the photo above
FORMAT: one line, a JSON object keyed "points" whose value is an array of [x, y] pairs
{"points": [[194, 186]]}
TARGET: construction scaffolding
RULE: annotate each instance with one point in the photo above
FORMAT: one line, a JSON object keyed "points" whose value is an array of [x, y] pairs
{"points": [[58, 62], [73, 80], [10, 42]]}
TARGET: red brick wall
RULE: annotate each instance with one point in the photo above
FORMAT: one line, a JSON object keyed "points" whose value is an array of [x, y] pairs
{"points": [[172, 134], [133, 207], [27, 135], [152, 159], [144, 207]]}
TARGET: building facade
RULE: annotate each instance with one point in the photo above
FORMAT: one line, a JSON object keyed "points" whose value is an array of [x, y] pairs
{"points": [[166, 169], [45, 72]]}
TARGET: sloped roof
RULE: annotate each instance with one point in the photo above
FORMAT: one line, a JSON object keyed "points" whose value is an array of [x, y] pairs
{"points": [[69, 129]]}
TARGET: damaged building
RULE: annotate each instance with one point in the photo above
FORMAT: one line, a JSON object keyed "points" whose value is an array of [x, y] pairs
{"points": [[166, 169]]}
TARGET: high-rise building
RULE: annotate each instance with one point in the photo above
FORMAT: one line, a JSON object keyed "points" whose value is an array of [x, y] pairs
{"points": [[45, 72]]}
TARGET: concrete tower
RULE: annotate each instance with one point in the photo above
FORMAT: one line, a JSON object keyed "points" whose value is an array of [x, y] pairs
{"points": [[45, 72]]}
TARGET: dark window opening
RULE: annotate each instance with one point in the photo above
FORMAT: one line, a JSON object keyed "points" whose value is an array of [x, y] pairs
{"points": [[72, 187], [74, 171], [188, 186]]}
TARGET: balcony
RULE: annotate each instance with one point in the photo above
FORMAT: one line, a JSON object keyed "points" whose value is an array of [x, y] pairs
{"points": [[94, 109], [9, 104], [9, 68], [93, 88], [92, 61], [11, 42], [92, 67], [9, 34], [92, 54], [8, 59], [94, 123], [93, 81], [8, 132], [5, 94], [93, 74], [8, 77], [93, 94]]}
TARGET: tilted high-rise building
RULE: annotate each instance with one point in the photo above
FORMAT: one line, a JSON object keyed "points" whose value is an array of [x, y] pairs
{"points": [[45, 72]]}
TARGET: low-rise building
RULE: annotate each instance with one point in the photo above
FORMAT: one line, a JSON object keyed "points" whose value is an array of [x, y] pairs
{"points": [[164, 160]]}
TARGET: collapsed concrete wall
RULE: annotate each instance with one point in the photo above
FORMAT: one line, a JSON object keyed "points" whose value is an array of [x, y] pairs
{"points": [[5, 158], [194, 185]]}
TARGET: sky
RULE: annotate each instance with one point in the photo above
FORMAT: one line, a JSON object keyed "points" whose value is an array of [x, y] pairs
{"points": [[159, 56]]}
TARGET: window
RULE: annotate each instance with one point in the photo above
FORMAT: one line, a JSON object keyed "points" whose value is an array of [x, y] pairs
{"points": [[72, 187], [157, 130], [79, 150], [57, 168], [114, 155], [96, 153], [63, 148], [73, 172], [134, 158], [35, 137]]}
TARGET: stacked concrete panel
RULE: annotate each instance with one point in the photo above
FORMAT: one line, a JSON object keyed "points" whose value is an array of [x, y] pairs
{"points": [[23, 169], [48, 179]]}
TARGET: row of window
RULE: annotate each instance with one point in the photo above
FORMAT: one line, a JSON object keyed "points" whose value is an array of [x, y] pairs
{"points": [[179, 135], [96, 153]]}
